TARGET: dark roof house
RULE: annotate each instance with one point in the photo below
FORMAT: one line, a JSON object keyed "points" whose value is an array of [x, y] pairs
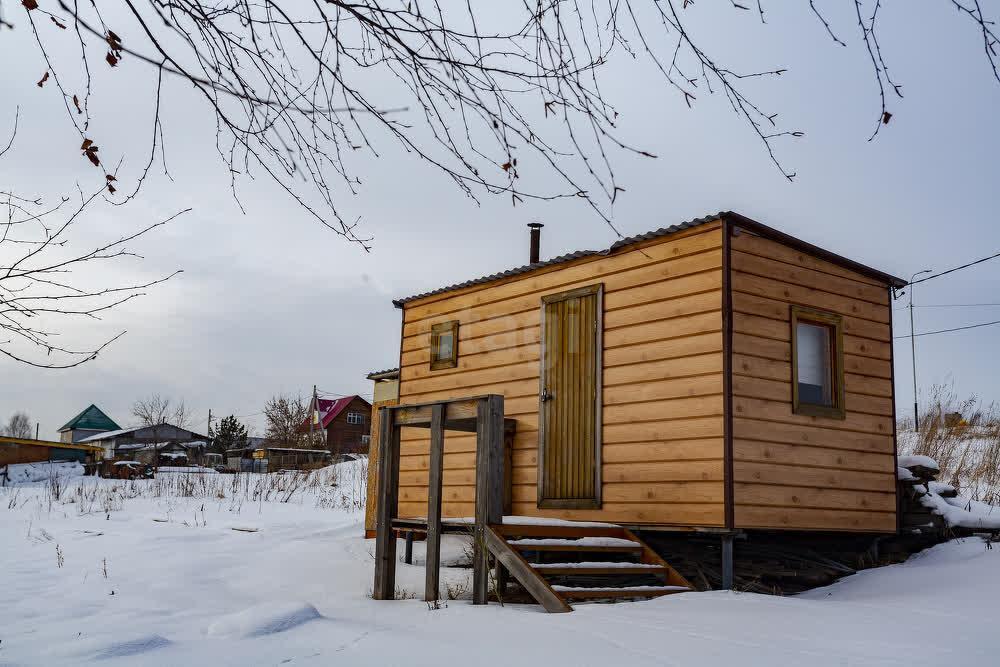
{"points": [[162, 437], [346, 421], [91, 421]]}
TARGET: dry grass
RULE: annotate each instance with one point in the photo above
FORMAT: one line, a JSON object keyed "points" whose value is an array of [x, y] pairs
{"points": [[334, 487], [967, 451]]}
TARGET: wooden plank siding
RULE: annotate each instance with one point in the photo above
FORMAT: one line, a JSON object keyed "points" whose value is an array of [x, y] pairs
{"points": [[800, 472], [662, 381]]}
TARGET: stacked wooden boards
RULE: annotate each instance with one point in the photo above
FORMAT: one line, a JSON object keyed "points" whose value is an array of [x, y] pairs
{"points": [[662, 381], [797, 471]]}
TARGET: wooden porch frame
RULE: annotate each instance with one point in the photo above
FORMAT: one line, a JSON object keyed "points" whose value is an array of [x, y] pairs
{"points": [[482, 415]]}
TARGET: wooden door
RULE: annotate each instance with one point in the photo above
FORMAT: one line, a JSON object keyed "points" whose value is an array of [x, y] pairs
{"points": [[569, 443]]}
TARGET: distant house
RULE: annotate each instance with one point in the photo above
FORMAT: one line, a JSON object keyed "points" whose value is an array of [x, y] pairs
{"points": [[90, 422], [346, 421], [172, 444], [266, 458]]}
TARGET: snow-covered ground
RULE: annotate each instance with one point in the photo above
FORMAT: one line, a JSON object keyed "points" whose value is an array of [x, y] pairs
{"points": [[267, 570]]}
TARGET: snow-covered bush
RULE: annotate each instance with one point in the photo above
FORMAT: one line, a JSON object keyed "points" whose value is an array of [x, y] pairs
{"points": [[963, 436]]}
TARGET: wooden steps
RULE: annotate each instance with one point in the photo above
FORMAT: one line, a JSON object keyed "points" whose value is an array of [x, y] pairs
{"points": [[564, 562], [576, 546], [598, 569], [632, 593]]}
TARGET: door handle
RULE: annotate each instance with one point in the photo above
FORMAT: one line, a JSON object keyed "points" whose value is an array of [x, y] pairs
{"points": [[546, 396]]}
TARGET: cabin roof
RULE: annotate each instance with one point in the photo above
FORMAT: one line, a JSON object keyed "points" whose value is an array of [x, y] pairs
{"points": [[91, 419], [735, 218]]}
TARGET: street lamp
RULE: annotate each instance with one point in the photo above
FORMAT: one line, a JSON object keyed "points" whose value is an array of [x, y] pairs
{"points": [[913, 351]]}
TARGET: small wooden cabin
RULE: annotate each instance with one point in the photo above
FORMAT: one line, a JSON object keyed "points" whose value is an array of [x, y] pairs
{"points": [[714, 374]]}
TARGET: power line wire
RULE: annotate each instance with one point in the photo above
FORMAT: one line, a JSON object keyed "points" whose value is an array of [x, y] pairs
{"points": [[324, 393], [949, 305], [931, 333], [957, 268]]}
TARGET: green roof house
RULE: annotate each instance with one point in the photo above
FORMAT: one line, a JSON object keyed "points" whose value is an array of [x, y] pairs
{"points": [[89, 422]]}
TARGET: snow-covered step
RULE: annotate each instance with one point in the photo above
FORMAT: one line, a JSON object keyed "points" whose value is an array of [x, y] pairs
{"points": [[593, 593], [585, 568], [566, 530], [599, 544]]}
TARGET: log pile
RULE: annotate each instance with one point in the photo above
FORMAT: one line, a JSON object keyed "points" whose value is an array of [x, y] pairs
{"points": [[915, 517]]}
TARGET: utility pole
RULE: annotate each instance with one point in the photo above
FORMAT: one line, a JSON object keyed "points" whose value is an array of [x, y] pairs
{"points": [[211, 441], [312, 415], [913, 352], [36, 429]]}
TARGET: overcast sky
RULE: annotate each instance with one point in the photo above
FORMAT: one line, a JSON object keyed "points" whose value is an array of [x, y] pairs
{"points": [[271, 302]]}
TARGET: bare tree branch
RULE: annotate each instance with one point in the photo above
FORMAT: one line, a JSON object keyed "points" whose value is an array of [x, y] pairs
{"points": [[503, 102], [44, 280]]}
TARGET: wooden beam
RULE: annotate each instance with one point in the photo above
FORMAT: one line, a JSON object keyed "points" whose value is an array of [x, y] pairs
{"points": [[388, 505], [489, 488], [433, 560], [460, 414]]}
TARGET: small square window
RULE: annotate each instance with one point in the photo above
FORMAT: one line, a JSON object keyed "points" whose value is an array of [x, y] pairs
{"points": [[355, 418], [444, 345], [817, 363]]}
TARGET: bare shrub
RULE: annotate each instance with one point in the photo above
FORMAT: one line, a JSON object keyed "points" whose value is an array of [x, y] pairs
{"points": [[963, 436], [455, 590]]}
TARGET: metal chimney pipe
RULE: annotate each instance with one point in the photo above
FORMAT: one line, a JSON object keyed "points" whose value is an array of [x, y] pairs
{"points": [[536, 239]]}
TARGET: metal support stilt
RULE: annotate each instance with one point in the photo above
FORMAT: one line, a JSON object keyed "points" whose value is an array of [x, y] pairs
{"points": [[727, 562]]}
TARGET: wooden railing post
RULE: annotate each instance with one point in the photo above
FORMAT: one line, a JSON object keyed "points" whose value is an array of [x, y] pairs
{"points": [[388, 506], [432, 564], [489, 488]]}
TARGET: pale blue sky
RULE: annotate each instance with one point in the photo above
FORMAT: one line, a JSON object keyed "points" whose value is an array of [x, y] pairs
{"points": [[271, 302]]}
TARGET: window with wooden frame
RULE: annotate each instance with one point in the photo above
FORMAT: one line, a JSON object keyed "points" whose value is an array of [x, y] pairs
{"points": [[817, 363], [444, 345]]}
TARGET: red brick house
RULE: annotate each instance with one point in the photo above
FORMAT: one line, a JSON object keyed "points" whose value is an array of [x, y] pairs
{"points": [[347, 422]]}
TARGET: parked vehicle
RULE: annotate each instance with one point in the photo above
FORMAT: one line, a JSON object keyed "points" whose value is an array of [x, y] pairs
{"points": [[131, 470]]}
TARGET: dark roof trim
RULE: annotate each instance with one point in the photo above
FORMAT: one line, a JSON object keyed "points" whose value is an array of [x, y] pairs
{"points": [[387, 374], [734, 218], [808, 248], [91, 418]]}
